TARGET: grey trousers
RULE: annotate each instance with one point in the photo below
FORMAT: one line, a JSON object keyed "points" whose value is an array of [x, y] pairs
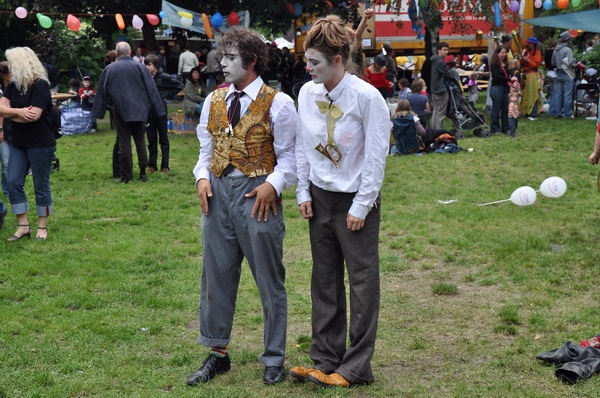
{"points": [[440, 106], [229, 234], [333, 244]]}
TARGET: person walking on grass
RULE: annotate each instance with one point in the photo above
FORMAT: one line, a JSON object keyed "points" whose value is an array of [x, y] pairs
{"points": [[341, 149], [247, 134], [156, 129], [128, 86]]}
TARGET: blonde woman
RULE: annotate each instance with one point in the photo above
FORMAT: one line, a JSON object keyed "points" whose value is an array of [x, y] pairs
{"points": [[32, 144], [339, 178]]}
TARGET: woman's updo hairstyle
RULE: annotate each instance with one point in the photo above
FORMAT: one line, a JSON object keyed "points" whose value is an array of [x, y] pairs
{"points": [[329, 36]]}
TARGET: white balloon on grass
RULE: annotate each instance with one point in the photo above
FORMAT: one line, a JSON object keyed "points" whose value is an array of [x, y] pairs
{"points": [[523, 196], [553, 187]]}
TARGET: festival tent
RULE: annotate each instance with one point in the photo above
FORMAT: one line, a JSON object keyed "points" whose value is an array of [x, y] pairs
{"points": [[588, 21]]}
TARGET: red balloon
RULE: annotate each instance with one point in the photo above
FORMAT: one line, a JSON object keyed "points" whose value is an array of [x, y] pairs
{"points": [[153, 19], [234, 19], [573, 33], [291, 9], [73, 23], [562, 3]]}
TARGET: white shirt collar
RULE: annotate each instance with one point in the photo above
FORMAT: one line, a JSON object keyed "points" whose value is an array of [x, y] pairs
{"points": [[251, 90]]}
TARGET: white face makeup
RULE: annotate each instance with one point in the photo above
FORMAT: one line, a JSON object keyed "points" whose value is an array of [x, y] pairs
{"points": [[233, 69], [318, 66]]}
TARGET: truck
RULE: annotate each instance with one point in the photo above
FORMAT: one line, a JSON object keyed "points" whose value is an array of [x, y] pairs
{"points": [[396, 29], [403, 39]]}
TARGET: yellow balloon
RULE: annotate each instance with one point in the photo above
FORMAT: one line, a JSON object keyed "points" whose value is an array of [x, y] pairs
{"points": [[185, 14]]}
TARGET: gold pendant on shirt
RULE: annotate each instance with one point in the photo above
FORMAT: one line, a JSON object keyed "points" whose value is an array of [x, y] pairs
{"points": [[331, 152]]}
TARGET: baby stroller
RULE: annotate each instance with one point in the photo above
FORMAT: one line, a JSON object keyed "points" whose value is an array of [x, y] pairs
{"points": [[464, 116]]}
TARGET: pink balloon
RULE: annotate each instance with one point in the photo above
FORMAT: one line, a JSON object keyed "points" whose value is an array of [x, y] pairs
{"points": [[73, 23], [538, 3], [21, 12], [137, 22], [153, 19], [514, 6]]}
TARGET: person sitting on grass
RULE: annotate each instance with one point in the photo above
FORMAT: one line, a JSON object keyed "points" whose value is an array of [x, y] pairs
{"points": [[406, 126]]}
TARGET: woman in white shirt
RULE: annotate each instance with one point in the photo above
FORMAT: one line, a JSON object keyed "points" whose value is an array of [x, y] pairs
{"points": [[339, 178]]}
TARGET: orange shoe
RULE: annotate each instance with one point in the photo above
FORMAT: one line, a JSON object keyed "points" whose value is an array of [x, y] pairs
{"points": [[327, 381], [300, 373]]}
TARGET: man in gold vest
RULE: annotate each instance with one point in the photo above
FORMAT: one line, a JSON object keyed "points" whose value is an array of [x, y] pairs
{"points": [[247, 135]]}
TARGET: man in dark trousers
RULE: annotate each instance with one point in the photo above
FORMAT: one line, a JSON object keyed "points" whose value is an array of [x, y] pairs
{"points": [[130, 89], [439, 94], [157, 125]]}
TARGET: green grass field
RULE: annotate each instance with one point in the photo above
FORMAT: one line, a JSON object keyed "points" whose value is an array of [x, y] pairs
{"points": [[107, 306]]}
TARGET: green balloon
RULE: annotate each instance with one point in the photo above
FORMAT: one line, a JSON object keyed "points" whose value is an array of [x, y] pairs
{"points": [[45, 22], [576, 3]]}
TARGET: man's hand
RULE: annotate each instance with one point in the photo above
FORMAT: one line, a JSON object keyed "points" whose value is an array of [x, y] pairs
{"points": [[305, 209], [354, 224], [204, 192], [265, 199], [594, 158]]}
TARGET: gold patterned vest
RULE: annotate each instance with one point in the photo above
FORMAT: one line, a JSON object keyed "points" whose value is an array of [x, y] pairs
{"points": [[250, 147]]}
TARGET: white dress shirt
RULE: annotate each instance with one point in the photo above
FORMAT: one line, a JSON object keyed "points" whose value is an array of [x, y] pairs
{"points": [[362, 135], [283, 126]]}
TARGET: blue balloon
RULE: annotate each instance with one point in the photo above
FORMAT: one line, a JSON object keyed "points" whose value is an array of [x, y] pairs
{"points": [[497, 15], [216, 20], [297, 9], [161, 14], [547, 4]]}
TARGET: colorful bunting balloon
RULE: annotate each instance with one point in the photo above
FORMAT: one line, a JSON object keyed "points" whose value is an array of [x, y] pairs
{"points": [[44, 21], [576, 3], [562, 4], [290, 8], [152, 19], [161, 14], [233, 18], [497, 17], [186, 22], [207, 27], [137, 22], [216, 20], [120, 21], [548, 4], [297, 9], [73, 23], [514, 6], [185, 14], [21, 12], [538, 3]]}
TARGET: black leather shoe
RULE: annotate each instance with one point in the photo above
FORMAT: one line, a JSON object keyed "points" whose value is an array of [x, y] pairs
{"points": [[121, 180], [209, 369], [143, 177], [274, 374]]}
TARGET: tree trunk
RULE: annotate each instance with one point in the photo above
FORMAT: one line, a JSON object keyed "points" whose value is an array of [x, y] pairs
{"points": [[149, 37]]}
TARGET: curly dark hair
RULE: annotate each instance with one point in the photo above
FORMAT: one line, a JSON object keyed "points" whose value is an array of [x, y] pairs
{"points": [[250, 46]]}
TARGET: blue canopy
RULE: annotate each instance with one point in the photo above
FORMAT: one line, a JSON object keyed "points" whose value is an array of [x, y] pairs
{"points": [[588, 21]]}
